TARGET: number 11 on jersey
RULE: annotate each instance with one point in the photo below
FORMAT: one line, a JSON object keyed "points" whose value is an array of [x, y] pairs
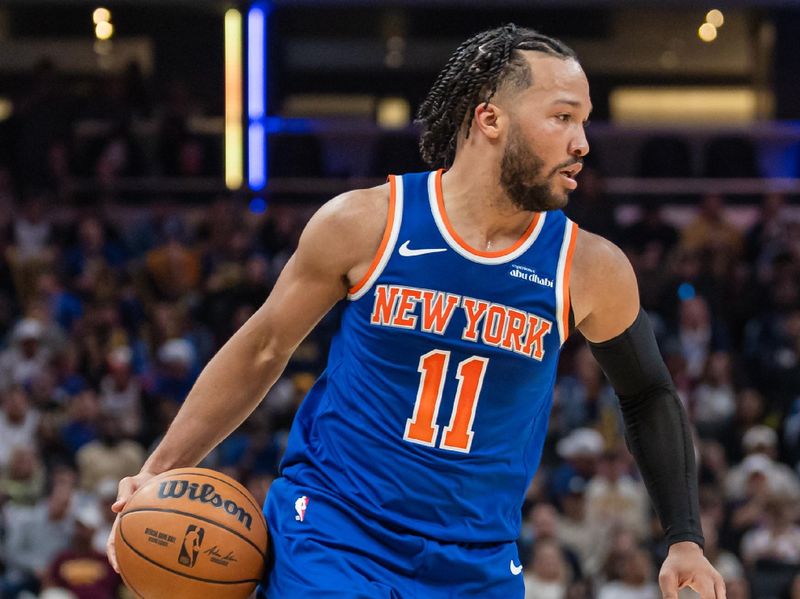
{"points": [[421, 427]]}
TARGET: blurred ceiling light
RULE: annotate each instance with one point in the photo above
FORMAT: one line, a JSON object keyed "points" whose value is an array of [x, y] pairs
{"points": [[393, 113], [234, 134], [101, 15], [683, 105], [104, 30], [6, 109], [707, 32], [715, 17]]}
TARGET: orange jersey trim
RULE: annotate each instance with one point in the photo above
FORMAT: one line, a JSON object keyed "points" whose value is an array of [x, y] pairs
{"points": [[387, 234], [498, 254], [565, 283]]}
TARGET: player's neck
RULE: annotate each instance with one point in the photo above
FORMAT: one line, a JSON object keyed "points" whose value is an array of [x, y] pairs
{"points": [[479, 209]]}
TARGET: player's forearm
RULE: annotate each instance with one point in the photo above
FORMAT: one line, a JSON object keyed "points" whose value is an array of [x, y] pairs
{"points": [[228, 389], [656, 427]]}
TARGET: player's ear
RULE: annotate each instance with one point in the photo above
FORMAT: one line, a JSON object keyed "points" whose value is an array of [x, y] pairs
{"points": [[488, 118]]}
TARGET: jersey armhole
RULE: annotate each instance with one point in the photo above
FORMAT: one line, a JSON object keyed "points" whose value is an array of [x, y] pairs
{"points": [[563, 307], [387, 243]]}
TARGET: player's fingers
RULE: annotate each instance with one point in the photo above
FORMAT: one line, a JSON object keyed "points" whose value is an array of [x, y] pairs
{"points": [[719, 588], [126, 488], [111, 551], [668, 581], [705, 588]]}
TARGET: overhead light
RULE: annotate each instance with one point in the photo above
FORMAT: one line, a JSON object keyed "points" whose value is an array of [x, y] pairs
{"points": [[234, 159], [101, 15], [707, 32], [104, 30], [716, 18]]}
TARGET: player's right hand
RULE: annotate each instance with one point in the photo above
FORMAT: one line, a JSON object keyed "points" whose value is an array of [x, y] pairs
{"points": [[127, 487]]}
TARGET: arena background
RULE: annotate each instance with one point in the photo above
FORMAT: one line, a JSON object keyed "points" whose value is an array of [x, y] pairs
{"points": [[158, 160]]}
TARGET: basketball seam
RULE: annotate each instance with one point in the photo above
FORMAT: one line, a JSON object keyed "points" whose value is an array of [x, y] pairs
{"points": [[189, 576], [127, 583], [203, 518]]}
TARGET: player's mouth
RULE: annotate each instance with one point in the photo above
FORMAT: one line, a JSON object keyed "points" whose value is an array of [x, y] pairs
{"points": [[568, 175]]}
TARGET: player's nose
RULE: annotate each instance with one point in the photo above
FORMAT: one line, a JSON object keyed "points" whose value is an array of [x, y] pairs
{"points": [[579, 146]]}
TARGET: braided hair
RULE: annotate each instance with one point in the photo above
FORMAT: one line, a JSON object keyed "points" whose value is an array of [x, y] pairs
{"points": [[471, 76]]}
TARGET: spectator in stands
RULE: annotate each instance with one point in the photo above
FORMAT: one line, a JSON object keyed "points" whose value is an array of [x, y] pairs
{"points": [[173, 267], [768, 235], [585, 398], [635, 579], [695, 334], [22, 480], [120, 393], [713, 464], [581, 450], [777, 538], [760, 443], [711, 229], [542, 524], [714, 400], [176, 370], [26, 357], [35, 535], [90, 262], [32, 233], [80, 568], [651, 231], [592, 208], [726, 563], [750, 411], [18, 422], [614, 498], [83, 419], [62, 305], [573, 528], [548, 575], [111, 455], [106, 494]]}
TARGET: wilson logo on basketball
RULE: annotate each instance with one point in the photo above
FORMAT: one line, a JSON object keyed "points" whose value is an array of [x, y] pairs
{"points": [[175, 489]]}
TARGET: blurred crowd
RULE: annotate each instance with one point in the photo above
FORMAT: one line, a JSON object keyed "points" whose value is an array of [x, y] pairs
{"points": [[108, 315], [103, 129]]}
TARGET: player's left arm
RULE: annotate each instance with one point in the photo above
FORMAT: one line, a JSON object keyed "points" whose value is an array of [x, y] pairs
{"points": [[605, 302]]}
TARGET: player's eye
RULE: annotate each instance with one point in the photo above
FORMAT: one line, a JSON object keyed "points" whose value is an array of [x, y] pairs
{"points": [[564, 118]]}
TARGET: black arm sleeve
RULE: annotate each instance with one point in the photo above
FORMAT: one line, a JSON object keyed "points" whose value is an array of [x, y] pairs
{"points": [[656, 428]]}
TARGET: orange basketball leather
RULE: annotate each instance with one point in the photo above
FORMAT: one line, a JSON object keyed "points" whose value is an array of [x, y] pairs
{"points": [[191, 532]]}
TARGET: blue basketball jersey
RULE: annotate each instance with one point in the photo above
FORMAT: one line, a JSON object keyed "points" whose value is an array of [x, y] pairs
{"points": [[433, 409]]}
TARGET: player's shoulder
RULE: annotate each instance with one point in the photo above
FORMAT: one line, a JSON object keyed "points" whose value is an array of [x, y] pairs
{"points": [[348, 228], [603, 281], [597, 257], [357, 209]]}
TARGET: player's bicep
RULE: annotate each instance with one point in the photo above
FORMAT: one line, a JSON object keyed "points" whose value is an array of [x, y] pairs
{"points": [[337, 240], [309, 286]]}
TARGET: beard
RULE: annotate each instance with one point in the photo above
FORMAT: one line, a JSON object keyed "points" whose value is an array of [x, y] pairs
{"points": [[522, 178]]}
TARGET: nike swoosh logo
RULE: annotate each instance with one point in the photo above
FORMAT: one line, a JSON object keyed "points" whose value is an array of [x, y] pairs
{"points": [[515, 570], [407, 251]]}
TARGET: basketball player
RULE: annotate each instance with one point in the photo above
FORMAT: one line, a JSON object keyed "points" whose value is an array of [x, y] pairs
{"points": [[408, 461]]}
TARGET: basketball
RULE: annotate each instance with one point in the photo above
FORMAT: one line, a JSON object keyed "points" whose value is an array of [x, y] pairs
{"points": [[191, 532]]}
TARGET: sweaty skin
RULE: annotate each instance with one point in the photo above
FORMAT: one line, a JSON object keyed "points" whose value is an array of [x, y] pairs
{"points": [[340, 241]]}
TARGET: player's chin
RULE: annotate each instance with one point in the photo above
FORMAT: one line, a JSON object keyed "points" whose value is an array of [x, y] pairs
{"points": [[559, 197]]}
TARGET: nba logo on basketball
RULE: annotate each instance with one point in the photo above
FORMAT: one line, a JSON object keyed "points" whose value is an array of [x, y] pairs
{"points": [[191, 546], [300, 507]]}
